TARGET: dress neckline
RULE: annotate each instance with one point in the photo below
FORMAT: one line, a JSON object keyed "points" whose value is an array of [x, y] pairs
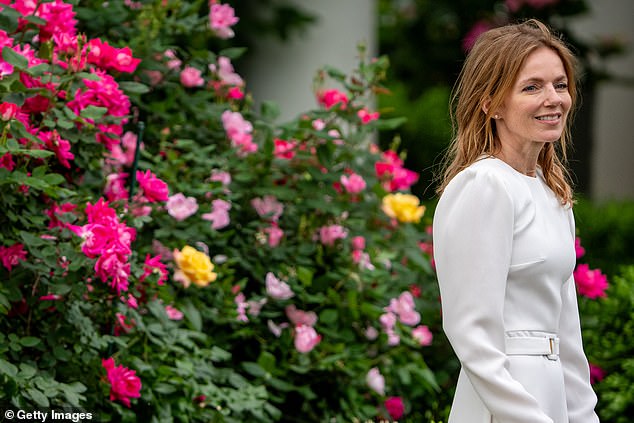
{"points": [[523, 175]]}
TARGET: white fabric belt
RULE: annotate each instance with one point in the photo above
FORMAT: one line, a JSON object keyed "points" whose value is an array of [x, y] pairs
{"points": [[533, 345]]}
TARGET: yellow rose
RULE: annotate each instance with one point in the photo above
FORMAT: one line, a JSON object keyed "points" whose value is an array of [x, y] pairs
{"points": [[403, 207], [194, 266]]}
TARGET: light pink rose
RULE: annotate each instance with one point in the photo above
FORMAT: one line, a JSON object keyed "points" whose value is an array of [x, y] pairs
{"points": [[306, 338], [358, 243], [277, 289], [331, 233], [353, 183], [375, 381], [221, 18], [268, 207], [173, 313], [300, 317], [274, 234], [219, 216], [181, 207], [422, 335], [191, 77]]}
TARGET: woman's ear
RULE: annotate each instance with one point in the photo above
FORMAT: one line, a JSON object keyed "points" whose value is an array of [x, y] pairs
{"points": [[486, 103]]}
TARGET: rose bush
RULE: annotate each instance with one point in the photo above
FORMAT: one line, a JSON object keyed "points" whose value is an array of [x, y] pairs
{"points": [[168, 253]]}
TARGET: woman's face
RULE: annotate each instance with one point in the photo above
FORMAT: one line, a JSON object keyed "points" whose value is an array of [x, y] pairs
{"points": [[536, 108]]}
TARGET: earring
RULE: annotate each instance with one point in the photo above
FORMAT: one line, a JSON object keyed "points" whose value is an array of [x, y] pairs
{"points": [[496, 116]]}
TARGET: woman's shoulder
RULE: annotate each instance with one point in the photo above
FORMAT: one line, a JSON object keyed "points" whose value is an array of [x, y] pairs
{"points": [[488, 171]]}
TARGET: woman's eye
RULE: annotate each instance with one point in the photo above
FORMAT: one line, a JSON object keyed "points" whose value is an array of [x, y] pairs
{"points": [[529, 88], [561, 86]]}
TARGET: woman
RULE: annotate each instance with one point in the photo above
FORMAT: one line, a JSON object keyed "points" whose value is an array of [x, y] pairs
{"points": [[504, 235]]}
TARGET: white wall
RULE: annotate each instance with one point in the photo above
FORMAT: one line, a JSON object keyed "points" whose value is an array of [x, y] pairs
{"points": [[613, 157], [283, 72]]}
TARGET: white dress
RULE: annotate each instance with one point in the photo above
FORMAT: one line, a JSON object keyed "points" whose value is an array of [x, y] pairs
{"points": [[504, 252]]}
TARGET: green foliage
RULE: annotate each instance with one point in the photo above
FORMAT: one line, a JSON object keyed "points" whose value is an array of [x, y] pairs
{"points": [[60, 317], [607, 232], [608, 330]]}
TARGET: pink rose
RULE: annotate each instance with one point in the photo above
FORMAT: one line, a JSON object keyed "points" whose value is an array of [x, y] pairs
{"points": [[331, 98], [191, 77], [422, 334], [124, 383], [579, 250], [300, 317], [275, 235], [366, 116], [395, 407], [596, 373], [219, 216], [591, 283], [268, 207], [277, 289], [306, 338], [329, 234], [154, 189], [375, 381], [12, 256], [284, 149], [180, 207], [353, 183], [173, 313], [8, 111], [358, 243], [221, 18]]}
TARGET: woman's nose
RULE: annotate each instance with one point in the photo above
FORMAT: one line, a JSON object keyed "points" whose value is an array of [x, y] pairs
{"points": [[552, 96]]}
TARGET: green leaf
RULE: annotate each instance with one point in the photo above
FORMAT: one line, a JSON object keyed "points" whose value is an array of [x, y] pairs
{"points": [[164, 388], [232, 52], [218, 354], [89, 76], [37, 396], [253, 369], [269, 110], [38, 70], [35, 20], [335, 73], [31, 240], [9, 19], [305, 275], [54, 179], [38, 154], [193, 315], [131, 87], [325, 153], [389, 123], [13, 58], [328, 316], [93, 112], [29, 341], [8, 368], [27, 371], [267, 361], [280, 384]]}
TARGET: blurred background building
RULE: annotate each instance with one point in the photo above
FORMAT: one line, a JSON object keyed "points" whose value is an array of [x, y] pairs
{"points": [[286, 68]]}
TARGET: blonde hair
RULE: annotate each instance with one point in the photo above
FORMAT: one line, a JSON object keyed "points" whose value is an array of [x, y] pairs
{"points": [[488, 74]]}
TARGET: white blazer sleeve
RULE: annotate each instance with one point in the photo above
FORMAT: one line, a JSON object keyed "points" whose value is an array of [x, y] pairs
{"points": [[580, 398], [473, 236]]}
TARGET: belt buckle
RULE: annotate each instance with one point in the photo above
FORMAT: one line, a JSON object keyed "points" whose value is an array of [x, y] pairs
{"points": [[552, 343]]}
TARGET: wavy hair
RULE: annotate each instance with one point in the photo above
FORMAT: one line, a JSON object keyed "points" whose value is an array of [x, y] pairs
{"points": [[488, 74]]}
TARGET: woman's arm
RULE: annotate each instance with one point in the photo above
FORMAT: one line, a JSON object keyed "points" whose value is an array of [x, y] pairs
{"points": [[473, 239]]}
